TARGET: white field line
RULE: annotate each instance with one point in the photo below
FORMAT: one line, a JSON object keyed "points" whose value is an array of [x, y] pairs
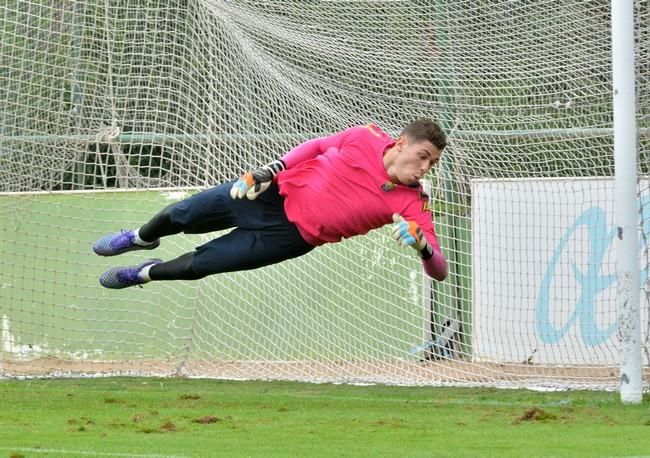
{"points": [[66, 452], [103, 191]]}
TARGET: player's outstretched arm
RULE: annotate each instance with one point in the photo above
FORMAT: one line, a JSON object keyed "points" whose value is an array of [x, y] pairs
{"points": [[252, 184], [409, 233], [313, 148]]}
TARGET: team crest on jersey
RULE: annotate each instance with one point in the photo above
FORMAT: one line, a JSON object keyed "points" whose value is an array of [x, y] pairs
{"points": [[374, 129], [424, 197], [388, 186]]}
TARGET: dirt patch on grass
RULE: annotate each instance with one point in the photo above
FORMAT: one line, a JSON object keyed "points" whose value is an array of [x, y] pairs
{"points": [[168, 426], [535, 414], [207, 419]]}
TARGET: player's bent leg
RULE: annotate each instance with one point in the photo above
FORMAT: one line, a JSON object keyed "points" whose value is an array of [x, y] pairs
{"points": [[243, 249], [123, 277], [207, 211], [122, 242]]}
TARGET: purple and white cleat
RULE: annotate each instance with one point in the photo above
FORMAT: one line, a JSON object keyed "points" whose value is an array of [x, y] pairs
{"points": [[120, 242], [123, 277]]}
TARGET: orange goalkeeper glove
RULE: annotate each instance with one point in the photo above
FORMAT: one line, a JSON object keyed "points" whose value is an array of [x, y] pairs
{"points": [[409, 233], [252, 184]]}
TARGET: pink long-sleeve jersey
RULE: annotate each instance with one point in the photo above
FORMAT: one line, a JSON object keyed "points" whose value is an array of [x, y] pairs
{"points": [[337, 187]]}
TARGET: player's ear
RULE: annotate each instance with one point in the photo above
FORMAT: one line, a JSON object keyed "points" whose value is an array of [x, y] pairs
{"points": [[401, 143]]}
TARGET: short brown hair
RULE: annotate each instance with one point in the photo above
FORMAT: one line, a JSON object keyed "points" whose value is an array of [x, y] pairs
{"points": [[426, 130]]}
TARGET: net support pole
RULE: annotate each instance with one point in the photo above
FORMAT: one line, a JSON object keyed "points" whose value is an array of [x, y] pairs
{"points": [[625, 164], [76, 88]]}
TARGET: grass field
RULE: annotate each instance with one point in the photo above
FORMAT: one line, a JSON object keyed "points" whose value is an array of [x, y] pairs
{"points": [[148, 417]]}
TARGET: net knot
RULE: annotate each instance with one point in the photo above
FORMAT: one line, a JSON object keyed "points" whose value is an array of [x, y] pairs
{"points": [[108, 134]]}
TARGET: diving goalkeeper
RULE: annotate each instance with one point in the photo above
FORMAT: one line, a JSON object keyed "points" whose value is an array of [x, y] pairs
{"points": [[322, 191]]}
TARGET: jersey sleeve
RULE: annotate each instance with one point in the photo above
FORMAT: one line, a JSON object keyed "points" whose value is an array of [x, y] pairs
{"points": [[312, 148], [419, 211]]}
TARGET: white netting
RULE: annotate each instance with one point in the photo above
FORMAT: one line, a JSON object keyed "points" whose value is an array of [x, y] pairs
{"points": [[126, 106]]}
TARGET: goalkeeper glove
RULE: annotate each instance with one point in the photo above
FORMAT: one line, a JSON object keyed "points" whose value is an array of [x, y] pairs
{"points": [[408, 233], [252, 184]]}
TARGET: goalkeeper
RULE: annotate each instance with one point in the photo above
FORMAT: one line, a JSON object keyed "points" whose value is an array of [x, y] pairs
{"points": [[322, 191]]}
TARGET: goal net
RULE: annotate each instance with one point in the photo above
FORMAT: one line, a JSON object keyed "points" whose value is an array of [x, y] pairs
{"points": [[112, 110]]}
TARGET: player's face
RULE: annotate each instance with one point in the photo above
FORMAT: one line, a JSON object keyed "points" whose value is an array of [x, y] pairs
{"points": [[414, 160]]}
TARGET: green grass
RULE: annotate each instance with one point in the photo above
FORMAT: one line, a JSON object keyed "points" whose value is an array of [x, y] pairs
{"points": [[181, 417]]}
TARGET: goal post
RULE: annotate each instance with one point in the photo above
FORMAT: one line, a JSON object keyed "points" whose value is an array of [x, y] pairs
{"points": [[625, 158], [112, 110]]}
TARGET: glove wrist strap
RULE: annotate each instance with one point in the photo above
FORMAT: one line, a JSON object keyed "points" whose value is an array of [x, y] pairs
{"points": [[426, 252], [277, 166]]}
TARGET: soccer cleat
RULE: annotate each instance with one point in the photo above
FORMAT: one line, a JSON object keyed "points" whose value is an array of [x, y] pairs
{"points": [[123, 277], [120, 242]]}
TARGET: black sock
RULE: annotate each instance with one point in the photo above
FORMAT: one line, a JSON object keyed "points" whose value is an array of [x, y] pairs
{"points": [[177, 269]]}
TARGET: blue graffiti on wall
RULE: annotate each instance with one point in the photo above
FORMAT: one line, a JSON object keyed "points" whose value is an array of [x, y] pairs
{"points": [[590, 281]]}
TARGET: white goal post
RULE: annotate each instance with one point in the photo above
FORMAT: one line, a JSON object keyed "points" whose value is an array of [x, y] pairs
{"points": [[111, 110]]}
